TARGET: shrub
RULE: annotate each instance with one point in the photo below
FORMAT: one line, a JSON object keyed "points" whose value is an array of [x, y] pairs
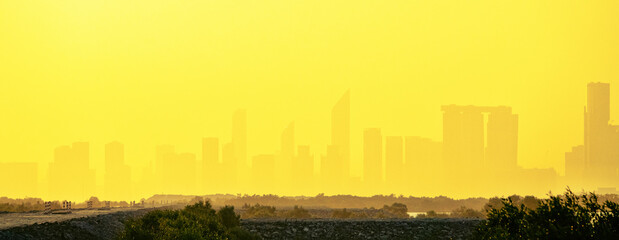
{"points": [[398, 210], [259, 211], [228, 217], [464, 212], [197, 221], [565, 216], [297, 212]]}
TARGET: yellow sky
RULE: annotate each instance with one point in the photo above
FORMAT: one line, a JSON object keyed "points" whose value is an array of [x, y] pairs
{"points": [[154, 72]]}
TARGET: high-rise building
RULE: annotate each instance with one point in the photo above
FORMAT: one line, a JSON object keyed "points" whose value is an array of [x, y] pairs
{"points": [[81, 153], [472, 139], [210, 153], [466, 156], [283, 168], [162, 152], [239, 141], [263, 170], [239, 137], [117, 183], [372, 158], [601, 138], [179, 174], [340, 133], [303, 168], [394, 162], [70, 176], [575, 167], [185, 171], [211, 171], [422, 161], [463, 138], [502, 141], [229, 166], [331, 171]]}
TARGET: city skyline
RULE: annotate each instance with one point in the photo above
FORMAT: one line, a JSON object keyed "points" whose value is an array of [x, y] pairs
{"points": [[479, 146], [266, 77]]}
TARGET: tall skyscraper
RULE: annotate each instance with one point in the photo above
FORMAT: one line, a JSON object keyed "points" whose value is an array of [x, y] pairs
{"points": [[70, 176], [117, 183], [162, 152], [179, 173], [229, 166], [211, 171], [81, 153], [263, 171], [340, 132], [422, 161], [465, 153], [331, 171], [502, 141], [283, 167], [239, 141], [601, 138], [303, 168], [575, 167], [239, 137], [394, 162], [472, 139], [372, 158], [452, 135]]}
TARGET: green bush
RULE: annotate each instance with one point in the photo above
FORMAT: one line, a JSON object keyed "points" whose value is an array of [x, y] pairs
{"points": [[565, 216], [398, 210], [228, 217], [197, 221], [297, 212], [259, 211], [464, 212]]}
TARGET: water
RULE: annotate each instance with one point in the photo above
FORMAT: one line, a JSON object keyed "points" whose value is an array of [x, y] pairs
{"points": [[415, 214]]}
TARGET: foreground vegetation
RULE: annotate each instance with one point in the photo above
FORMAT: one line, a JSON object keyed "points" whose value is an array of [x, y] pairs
{"points": [[197, 221], [567, 216]]}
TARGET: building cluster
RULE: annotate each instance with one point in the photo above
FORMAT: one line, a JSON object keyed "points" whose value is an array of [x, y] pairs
{"points": [[595, 164], [477, 157]]}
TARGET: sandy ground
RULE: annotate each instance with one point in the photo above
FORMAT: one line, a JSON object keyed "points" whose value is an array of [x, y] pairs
{"points": [[9, 220]]}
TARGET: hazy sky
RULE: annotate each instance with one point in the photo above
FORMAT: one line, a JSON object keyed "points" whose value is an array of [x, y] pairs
{"points": [[155, 72]]}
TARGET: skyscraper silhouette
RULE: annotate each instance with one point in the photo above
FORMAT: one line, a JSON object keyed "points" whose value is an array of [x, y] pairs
{"points": [[340, 133], [463, 138], [601, 138], [162, 153], [283, 167], [211, 170], [575, 166], [239, 136], [229, 165], [331, 170], [70, 176], [422, 161], [263, 173], [239, 146], [502, 141], [117, 174], [394, 162], [303, 167], [179, 174], [465, 153], [372, 159]]}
